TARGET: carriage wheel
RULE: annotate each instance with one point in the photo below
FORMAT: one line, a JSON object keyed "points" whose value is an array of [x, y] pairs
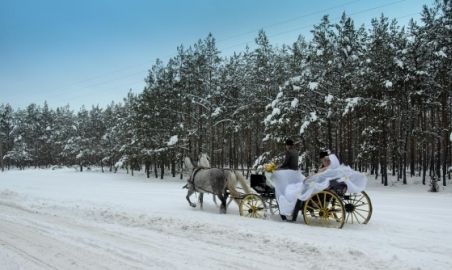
{"points": [[357, 207], [273, 206], [324, 209], [253, 206]]}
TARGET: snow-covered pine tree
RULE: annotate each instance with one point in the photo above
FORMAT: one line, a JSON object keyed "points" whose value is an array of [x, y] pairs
{"points": [[6, 138]]}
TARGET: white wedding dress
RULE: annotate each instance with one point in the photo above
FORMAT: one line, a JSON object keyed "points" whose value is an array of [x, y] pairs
{"points": [[288, 184], [355, 181]]}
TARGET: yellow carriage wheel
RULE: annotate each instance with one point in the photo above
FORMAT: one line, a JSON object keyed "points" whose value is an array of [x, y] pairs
{"points": [[324, 209], [358, 208], [253, 206]]}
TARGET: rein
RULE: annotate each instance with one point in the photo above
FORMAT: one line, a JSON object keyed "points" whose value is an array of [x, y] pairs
{"points": [[192, 178]]}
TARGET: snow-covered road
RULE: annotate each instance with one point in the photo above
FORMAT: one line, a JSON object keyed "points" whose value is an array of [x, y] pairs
{"points": [[64, 219]]}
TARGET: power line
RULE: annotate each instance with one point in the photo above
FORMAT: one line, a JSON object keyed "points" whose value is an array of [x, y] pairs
{"points": [[310, 25], [219, 41], [246, 42], [290, 20]]}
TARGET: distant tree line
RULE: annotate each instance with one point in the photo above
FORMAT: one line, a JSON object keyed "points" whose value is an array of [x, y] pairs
{"points": [[380, 98]]}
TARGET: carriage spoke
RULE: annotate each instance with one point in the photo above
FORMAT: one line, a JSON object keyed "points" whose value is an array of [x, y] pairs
{"points": [[319, 200], [252, 206], [328, 207], [334, 216], [360, 200], [314, 202], [356, 217], [357, 213], [357, 209]]}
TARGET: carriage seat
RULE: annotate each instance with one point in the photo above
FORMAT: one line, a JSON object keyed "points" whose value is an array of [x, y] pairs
{"points": [[340, 188], [259, 183]]}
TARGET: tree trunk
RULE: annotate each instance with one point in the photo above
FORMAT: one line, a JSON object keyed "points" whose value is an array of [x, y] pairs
{"points": [[424, 165], [155, 169], [173, 167], [181, 168], [146, 168], [384, 156], [1, 157], [445, 133]]}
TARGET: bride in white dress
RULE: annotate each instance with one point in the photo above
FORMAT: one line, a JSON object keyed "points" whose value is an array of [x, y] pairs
{"points": [[355, 181], [291, 185]]}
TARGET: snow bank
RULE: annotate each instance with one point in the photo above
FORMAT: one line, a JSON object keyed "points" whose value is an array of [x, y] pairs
{"points": [[65, 219]]}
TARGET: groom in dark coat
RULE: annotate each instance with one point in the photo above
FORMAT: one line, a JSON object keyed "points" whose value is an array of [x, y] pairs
{"points": [[291, 163], [291, 158]]}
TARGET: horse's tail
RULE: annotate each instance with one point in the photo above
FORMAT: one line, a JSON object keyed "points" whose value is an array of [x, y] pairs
{"points": [[242, 181], [231, 181], [232, 178]]}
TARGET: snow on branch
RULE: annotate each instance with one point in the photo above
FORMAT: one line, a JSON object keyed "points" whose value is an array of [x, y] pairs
{"points": [[351, 103], [216, 112], [312, 118], [329, 99], [388, 84], [172, 141], [313, 85]]}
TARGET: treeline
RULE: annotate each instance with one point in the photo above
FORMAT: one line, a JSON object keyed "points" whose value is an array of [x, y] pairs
{"points": [[380, 98]]}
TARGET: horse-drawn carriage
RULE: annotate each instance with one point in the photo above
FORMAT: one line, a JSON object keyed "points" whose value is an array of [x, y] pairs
{"points": [[332, 207]]}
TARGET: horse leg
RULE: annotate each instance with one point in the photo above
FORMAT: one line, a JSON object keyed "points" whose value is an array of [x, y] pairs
{"points": [[189, 193], [223, 198], [201, 199], [223, 204]]}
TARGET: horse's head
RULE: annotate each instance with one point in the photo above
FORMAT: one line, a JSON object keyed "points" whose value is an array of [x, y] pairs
{"points": [[204, 161]]}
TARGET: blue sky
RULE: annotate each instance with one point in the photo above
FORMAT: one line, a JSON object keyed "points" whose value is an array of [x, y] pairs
{"points": [[93, 51]]}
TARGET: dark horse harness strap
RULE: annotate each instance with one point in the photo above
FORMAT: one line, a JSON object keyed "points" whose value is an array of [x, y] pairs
{"points": [[192, 178]]}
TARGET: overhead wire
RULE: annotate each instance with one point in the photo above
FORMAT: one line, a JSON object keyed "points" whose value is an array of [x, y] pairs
{"points": [[70, 85], [246, 42]]}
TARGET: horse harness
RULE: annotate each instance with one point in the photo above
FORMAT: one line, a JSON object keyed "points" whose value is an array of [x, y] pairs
{"points": [[191, 180]]}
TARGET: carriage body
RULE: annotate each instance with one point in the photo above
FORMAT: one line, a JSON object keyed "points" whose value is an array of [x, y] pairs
{"points": [[256, 205], [332, 207]]}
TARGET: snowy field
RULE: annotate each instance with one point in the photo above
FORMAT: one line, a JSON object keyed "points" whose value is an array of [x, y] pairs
{"points": [[64, 219]]}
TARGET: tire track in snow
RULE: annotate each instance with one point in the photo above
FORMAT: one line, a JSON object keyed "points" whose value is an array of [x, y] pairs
{"points": [[101, 238]]}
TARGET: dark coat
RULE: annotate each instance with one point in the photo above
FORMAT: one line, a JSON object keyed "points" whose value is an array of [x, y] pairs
{"points": [[290, 161]]}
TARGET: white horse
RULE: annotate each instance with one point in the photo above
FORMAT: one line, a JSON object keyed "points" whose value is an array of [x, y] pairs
{"points": [[219, 182]]}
